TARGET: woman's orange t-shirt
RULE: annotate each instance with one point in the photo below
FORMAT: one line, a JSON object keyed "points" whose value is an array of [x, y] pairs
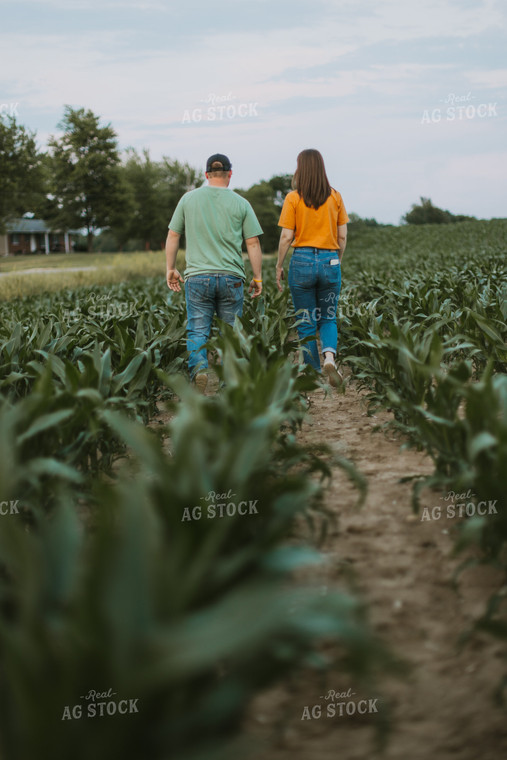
{"points": [[315, 228]]}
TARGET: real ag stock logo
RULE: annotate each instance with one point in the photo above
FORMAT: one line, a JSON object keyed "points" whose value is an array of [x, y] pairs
{"points": [[460, 505], [218, 505], [102, 307], [339, 704], [9, 507], [220, 108], [458, 108], [100, 705], [9, 109]]}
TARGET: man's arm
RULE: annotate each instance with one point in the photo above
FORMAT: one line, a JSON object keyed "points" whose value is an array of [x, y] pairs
{"points": [[172, 245], [342, 239], [286, 238], [253, 248]]}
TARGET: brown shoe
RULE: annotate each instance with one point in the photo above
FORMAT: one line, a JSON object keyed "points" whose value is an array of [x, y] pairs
{"points": [[334, 376], [201, 382]]}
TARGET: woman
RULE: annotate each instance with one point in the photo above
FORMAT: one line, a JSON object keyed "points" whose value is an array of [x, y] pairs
{"points": [[314, 220]]}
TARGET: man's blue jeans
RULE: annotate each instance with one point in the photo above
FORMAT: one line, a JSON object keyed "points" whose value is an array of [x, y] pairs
{"points": [[315, 282], [207, 294]]}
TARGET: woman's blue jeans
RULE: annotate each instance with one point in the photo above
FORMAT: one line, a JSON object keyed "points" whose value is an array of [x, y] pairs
{"points": [[315, 282], [207, 294]]}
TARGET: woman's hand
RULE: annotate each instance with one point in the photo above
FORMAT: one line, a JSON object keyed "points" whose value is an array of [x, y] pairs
{"points": [[280, 275]]}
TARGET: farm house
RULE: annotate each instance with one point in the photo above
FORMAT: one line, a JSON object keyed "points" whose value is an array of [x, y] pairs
{"points": [[34, 236]]}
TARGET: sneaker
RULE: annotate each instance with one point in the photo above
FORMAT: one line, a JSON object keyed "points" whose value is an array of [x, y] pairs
{"points": [[201, 382], [334, 376]]}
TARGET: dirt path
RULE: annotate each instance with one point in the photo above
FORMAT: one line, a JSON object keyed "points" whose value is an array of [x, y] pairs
{"points": [[402, 567], [50, 270]]}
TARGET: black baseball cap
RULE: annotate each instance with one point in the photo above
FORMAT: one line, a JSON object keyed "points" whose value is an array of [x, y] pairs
{"points": [[218, 158]]}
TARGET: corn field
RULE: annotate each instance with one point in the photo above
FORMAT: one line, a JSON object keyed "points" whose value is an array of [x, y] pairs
{"points": [[117, 580]]}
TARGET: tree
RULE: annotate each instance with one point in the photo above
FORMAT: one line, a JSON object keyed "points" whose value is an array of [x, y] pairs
{"points": [[267, 198], [176, 179], [154, 189], [88, 188], [359, 227], [282, 185], [360, 222], [427, 213], [142, 177], [21, 176]]}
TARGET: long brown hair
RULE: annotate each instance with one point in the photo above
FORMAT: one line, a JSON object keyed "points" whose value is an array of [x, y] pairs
{"points": [[310, 178]]}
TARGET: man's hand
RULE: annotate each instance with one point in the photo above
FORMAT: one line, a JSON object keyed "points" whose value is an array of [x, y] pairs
{"points": [[173, 280], [253, 248], [173, 277], [280, 275], [256, 287]]}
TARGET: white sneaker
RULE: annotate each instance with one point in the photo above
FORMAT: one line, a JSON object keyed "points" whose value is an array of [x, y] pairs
{"points": [[334, 376], [201, 382]]}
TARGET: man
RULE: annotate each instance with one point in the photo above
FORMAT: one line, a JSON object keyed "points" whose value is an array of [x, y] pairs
{"points": [[215, 221]]}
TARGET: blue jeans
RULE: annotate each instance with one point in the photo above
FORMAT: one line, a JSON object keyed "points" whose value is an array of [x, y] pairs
{"points": [[205, 295], [315, 282]]}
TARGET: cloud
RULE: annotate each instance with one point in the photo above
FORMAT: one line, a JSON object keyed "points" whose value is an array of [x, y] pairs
{"points": [[352, 78], [491, 79]]}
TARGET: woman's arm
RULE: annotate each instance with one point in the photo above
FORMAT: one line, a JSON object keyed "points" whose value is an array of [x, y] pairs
{"points": [[342, 239], [286, 238]]}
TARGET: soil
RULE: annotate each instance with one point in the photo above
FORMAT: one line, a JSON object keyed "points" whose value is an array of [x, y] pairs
{"points": [[403, 567]]}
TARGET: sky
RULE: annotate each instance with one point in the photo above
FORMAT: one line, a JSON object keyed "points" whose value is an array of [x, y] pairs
{"points": [[402, 99]]}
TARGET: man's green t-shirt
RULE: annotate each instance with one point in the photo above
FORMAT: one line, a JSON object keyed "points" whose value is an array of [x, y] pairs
{"points": [[215, 221]]}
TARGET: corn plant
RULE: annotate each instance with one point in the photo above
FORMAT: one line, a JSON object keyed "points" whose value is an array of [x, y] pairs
{"points": [[180, 612]]}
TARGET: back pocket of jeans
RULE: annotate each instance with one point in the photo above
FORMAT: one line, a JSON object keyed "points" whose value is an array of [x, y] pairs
{"points": [[234, 286], [332, 272], [302, 273], [197, 287]]}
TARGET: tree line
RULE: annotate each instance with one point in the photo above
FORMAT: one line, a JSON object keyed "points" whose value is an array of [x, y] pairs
{"points": [[81, 181]]}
